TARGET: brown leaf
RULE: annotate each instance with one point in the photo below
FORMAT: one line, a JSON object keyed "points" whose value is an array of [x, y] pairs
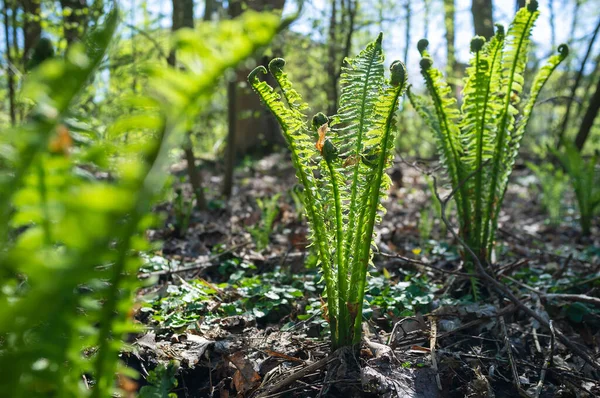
{"points": [[351, 160], [321, 141], [284, 356], [245, 378], [62, 142]]}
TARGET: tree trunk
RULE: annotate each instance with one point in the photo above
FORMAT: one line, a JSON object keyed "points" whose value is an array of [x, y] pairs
{"points": [[483, 18], [32, 28], [252, 129], [183, 16], [341, 30], [9, 66], [234, 10], [588, 118], [332, 97], [75, 20], [450, 38], [575, 86]]}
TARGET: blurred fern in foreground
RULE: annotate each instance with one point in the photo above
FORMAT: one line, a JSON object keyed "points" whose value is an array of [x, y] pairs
{"points": [[479, 142], [69, 242], [341, 162]]}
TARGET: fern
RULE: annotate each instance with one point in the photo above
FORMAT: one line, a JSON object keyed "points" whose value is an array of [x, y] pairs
{"points": [[585, 180], [478, 144], [351, 152], [70, 245]]}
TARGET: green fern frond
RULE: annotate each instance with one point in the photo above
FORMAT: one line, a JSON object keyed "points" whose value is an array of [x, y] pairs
{"points": [[448, 136], [379, 183], [514, 62], [538, 84], [360, 82], [478, 145], [303, 153], [344, 202]]}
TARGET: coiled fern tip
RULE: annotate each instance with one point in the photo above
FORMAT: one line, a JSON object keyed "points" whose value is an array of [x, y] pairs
{"points": [[252, 76], [422, 45], [532, 6], [563, 50], [477, 43], [318, 120], [398, 71], [426, 63], [276, 65]]}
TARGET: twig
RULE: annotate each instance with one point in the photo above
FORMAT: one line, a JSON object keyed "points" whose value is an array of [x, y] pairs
{"points": [[152, 40], [583, 282], [547, 362], [427, 265], [296, 376], [432, 343], [582, 298], [498, 286], [507, 310], [191, 267], [511, 359]]}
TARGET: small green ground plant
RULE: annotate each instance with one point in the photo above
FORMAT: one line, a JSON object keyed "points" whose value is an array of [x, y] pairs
{"points": [[70, 241], [584, 177], [478, 142], [261, 232], [351, 151], [553, 183]]}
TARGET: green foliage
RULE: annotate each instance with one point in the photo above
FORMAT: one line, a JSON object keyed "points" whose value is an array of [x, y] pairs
{"points": [[585, 180], [271, 295], [161, 381], [400, 299], [262, 231], [70, 240], [479, 142], [183, 212], [553, 183], [352, 151]]}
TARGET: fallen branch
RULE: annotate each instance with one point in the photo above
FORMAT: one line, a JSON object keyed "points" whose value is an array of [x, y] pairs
{"points": [[582, 298]]}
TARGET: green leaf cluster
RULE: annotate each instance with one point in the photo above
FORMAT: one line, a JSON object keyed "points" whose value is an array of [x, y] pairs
{"points": [[342, 169], [478, 142]]}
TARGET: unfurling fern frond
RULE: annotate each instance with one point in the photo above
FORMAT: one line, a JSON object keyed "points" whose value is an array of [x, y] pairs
{"points": [[479, 143], [352, 151], [304, 153]]}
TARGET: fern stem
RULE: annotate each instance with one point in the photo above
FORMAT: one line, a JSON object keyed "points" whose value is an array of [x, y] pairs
{"points": [[457, 177], [373, 202], [342, 274]]}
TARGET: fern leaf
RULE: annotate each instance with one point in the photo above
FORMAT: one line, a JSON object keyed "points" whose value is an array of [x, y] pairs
{"points": [[514, 61], [538, 84], [303, 152], [379, 182], [448, 135], [360, 81]]}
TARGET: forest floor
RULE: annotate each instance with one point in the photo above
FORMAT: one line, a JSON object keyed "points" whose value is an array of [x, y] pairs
{"points": [[245, 322]]}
